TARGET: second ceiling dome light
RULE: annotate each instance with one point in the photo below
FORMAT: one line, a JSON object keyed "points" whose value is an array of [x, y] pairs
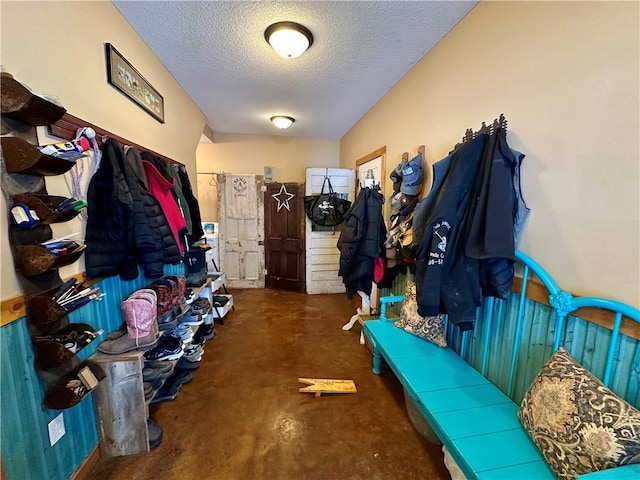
{"points": [[288, 39], [282, 121]]}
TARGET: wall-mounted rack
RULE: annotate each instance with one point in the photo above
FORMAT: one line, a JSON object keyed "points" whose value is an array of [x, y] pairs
{"points": [[67, 126]]}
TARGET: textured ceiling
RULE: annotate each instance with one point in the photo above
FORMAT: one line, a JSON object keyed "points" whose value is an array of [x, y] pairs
{"points": [[217, 52]]}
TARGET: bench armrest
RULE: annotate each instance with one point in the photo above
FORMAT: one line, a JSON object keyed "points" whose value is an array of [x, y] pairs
{"points": [[626, 472], [384, 301]]}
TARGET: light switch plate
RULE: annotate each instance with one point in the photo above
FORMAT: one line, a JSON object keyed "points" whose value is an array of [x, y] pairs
{"points": [[56, 429]]}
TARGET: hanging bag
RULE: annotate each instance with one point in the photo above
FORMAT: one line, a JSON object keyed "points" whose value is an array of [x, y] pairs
{"points": [[326, 209]]}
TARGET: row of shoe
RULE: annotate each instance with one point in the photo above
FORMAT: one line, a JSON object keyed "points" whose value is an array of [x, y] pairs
{"points": [[180, 343], [163, 377], [148, 311]]}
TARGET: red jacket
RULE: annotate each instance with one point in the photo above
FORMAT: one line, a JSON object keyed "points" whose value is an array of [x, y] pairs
{"points": [[160, 188]]}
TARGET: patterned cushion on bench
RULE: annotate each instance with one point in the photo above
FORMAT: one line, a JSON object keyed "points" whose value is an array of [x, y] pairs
{"points": [[579, 425], [429, 328]]}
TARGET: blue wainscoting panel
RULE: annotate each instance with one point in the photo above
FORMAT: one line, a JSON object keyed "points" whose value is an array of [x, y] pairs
{"points": [[24, 437], [26, 453], [588, 343]]}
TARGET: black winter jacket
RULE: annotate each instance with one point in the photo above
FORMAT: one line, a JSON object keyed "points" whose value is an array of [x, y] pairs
{"points": [[194, 208], [154, 241], [125, 225], [446, 279], [467, 245], [108, 237], [361, 239]]}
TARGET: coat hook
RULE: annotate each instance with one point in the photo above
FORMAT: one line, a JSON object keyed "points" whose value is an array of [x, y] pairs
{"points": [[405, 157], [421, 150]]}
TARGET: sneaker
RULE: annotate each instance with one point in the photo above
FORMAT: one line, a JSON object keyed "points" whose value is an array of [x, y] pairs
{"points": [[220, 300], [148, 390], [155, 434], [181, 377], [194, 351], [184, 364], [192, 319], [168, 348], [205, 332], [201, 305], [166, 321], [157, 371], [189, 296], [182, 331], [167, 393]]}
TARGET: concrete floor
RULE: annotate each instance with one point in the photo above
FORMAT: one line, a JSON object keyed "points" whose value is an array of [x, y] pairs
{"points": [[242, 417]]}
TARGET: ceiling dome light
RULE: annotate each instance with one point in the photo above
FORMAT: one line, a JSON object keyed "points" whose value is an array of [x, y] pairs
{"points": [[288, 39], [282, 122]]}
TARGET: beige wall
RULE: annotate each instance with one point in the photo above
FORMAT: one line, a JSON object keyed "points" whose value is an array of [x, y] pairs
{"points": [[58, 48], [566, 77], [289, 157]]}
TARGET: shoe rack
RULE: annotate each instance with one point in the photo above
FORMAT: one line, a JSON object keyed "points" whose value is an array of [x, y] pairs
{"points": [[121, 407], [23, 170], [217, 280]]}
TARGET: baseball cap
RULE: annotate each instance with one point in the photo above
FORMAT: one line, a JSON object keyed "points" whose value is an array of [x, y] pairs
{"points": [[396, 177], [395, 202], [412, 176]]}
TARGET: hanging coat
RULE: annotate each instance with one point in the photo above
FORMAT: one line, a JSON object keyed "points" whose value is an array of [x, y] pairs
{"points": [[446, 279], [194, 207], [361, 241], [155, 245], [490, 228], [109, 236], [160, 188]]}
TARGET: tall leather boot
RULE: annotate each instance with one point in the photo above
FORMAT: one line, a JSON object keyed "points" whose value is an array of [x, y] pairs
{"points": [[140, 315]]}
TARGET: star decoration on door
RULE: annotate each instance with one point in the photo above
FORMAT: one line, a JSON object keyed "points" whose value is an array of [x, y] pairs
{"points": [[279, 198]]}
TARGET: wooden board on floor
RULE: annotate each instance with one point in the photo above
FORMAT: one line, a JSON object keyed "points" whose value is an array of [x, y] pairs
{"points": [[326, 385], [363, 318]]}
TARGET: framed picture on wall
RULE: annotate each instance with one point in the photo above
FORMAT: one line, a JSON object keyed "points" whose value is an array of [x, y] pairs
{"points": [[373, 164], [123, 76]]}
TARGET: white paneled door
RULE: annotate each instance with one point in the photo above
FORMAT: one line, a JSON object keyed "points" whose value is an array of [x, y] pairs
{"points": [[322, 254], [241, 229]]}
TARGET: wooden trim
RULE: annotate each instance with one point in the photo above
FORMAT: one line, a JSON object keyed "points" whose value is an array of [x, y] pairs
{"points": [[537, 292], [87, 466], [13, 309], [375, 154], [66, 127]]}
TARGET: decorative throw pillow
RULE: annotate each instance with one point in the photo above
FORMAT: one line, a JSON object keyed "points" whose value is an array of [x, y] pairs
{"points": [[429, 328], [578, 424]]}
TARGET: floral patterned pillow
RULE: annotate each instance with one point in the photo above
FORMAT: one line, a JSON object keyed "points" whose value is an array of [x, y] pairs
{"points": [[578, 424], [429, 328]]}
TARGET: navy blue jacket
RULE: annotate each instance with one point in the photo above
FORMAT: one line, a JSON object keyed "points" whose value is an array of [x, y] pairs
{"points": [[361, 239], [465, 228], [446, 279]]}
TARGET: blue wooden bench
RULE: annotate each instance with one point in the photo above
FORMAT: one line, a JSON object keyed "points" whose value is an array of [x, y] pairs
{"points": [[475, 419]]}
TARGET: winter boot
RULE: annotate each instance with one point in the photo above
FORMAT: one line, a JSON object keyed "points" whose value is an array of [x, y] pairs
{"points": [[178, 294], [140, 317], [163, 293], [149, 295]]}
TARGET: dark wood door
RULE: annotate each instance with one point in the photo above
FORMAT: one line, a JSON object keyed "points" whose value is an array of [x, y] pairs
{"points": [[284, 221]]}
